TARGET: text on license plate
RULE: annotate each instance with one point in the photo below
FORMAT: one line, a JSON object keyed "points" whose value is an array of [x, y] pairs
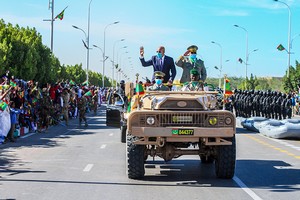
{"points": [[182, 131]]}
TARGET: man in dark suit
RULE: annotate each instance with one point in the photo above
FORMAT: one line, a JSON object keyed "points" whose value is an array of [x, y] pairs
{"points": [[160, 62]]}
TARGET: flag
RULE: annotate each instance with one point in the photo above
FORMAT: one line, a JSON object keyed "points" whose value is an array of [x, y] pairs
{"points": [[139, 89], [240, 60], [85, 83], [72, 82], [4, 87], [61, 14], [3, 105], [280, 47], [13, 83], [89, 94], [227, 87]]}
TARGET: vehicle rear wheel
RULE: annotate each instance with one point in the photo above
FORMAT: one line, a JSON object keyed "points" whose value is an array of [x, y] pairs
{"points": [[225, 160], [123, 134], [135, 159], [206, 159]]}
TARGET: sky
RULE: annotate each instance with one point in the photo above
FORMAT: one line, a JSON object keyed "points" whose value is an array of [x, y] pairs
{"points": [[175, 24]]}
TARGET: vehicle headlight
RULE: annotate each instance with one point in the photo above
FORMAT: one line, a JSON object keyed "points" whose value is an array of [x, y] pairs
{"points": [[212, 121], [228, 120], [150, 120]]}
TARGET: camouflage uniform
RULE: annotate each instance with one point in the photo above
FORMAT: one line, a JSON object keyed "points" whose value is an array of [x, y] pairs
{"points": [[44, 106], [65, 109], [82, 109], [157, 87], [191, 86], [95, 101]]}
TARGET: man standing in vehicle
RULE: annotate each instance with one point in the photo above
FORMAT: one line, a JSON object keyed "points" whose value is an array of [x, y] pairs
{"points": [[160, 62], [189, 61]]}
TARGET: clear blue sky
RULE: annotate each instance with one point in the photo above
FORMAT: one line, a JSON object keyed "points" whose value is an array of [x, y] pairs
{"points": [[175, 24]]}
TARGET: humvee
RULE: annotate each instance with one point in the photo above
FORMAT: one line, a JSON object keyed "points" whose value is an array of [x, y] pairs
{"points": [[175, 123]]}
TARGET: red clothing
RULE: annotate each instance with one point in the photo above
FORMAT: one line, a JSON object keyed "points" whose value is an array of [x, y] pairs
{"points": [[52, 92]]}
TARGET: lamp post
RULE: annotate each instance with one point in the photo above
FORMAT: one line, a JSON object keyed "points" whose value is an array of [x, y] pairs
{"points": [[104, 49], [289, 37], [87, 51], [219, 75], [246, 63], [293, 40], [220, 61], [113, 67]]}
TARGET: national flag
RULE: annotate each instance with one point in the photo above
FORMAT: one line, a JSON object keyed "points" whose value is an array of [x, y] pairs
{"points": [[85, 83], [240, 60], [61, 14], [139, 89], [227, 87], [280, 47], [4, 87], [13, 83], [72, 82], [88, 94], [3, 105]]}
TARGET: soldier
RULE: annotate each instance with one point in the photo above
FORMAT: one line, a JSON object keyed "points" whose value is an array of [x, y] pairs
{"points": [[283, 104], [44, 105], [278, 102], [82, 109], [288, 106], [65, 108], [194, 84], [192, 62], [95, 101], [158, 85]]}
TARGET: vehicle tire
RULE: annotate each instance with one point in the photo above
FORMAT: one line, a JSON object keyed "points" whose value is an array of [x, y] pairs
{"points": [[206, 159], [123, 134], [225, 160], [135, 159]]}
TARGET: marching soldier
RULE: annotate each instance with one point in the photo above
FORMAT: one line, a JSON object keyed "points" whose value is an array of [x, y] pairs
{"points": [[82, 101], [65, 109]]}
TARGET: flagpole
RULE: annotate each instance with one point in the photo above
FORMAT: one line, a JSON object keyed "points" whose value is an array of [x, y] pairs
{"points": [[52, 25], [224, 92]]}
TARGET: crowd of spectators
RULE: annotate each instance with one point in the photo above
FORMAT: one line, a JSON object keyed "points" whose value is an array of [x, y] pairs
{"points": [[37, 106]]}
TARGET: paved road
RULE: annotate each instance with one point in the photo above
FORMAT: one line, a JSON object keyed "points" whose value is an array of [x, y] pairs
{"points": [[89, 163]]}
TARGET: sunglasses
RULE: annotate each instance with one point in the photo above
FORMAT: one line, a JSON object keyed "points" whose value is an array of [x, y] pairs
{"points": [[193, 53]]}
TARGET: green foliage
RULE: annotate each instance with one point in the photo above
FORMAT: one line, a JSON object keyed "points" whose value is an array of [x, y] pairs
{"points": [[24, 55]]}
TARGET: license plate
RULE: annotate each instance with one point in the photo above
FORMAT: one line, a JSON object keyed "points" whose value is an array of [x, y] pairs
{"points": [[182, 131]]}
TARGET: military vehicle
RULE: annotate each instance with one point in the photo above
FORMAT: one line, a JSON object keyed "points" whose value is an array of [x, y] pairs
{"points": [[176, 123]]}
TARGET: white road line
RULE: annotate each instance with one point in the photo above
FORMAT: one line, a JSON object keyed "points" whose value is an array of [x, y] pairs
{"points": [[103, 146], [246, 189], [88, 168], [27, 135]]}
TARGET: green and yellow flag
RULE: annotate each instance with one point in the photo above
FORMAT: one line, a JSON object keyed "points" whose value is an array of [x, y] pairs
{"points": [[13, 83], [88, 94], [61, 14], [280, 47], [227, 87], [85, 83], [139, 89], [72, 82]]}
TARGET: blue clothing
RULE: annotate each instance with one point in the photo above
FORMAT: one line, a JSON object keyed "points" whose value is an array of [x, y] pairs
{"points": [[13, 115], [166, 65]]}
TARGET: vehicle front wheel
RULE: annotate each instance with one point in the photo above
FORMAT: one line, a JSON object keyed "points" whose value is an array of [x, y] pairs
{"points": [[135, 159], [225, 160]]}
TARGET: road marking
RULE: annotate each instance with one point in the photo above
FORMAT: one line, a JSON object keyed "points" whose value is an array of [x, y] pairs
{"points": [[88, 168], [27, 135], [103, 146], [246, 189], [284, 167], [277, 148]]}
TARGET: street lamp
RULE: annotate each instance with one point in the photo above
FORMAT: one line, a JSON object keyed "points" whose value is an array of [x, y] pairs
{"points": [[219, 75], [114, 59], [293, 39], [220, 61], [86, 44], [246, 63], [104, 49], [289, 37]]}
